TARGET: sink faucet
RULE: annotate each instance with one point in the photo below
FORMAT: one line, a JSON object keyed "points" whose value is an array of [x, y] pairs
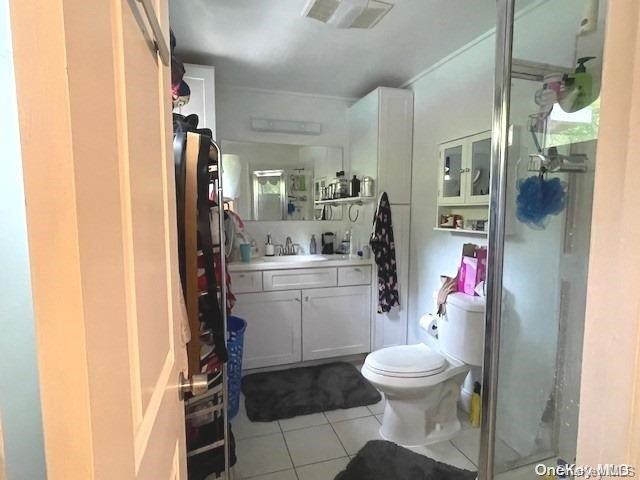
{"points": [[289, 247]]}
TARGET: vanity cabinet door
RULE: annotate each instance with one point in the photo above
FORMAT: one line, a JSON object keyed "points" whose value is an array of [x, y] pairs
{"points": [[274, 324], [336, 322]]}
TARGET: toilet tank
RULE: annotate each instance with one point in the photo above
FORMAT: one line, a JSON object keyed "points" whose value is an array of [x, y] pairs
{"points": [[461, 330]]}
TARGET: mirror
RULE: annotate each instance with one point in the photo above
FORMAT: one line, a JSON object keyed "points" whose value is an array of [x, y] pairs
{"points": [[272, 181]]}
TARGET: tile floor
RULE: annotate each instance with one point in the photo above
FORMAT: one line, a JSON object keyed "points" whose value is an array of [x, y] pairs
{"points": [[318, 446]]}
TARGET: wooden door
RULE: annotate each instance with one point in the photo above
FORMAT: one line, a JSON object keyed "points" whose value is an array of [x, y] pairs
{"points": [[336, 322], [274, 324], [94, 107]]}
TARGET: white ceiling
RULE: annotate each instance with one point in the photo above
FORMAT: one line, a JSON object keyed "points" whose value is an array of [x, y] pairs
{"points": [[267, 44]]}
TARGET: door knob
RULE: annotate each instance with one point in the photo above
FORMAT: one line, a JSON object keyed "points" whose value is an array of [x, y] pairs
{"points": [[196, 385]]}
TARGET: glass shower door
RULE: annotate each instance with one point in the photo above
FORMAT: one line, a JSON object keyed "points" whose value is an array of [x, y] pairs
{"points": [[551, 109]]}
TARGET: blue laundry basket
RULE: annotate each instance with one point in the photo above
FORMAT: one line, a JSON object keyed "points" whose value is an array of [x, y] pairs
{"points": [[236, 327]]}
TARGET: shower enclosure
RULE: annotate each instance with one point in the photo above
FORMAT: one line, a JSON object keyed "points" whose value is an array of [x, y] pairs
{"points": [[545, 130]]}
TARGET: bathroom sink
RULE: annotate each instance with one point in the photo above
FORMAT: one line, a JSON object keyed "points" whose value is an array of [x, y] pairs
{"points": [[295, 258]]}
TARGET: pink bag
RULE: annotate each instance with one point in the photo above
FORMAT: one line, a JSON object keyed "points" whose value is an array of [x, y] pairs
{"points": [[473, 268]]}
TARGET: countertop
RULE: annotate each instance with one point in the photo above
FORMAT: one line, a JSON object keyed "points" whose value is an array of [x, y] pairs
{"points": [[297, 261]]}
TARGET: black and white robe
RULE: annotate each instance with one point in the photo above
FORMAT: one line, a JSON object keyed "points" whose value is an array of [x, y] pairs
{"points": [[384, 252]]}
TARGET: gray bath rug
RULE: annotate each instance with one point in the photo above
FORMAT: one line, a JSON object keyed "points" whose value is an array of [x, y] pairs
{"points": [[300, 391], [382, 460]]}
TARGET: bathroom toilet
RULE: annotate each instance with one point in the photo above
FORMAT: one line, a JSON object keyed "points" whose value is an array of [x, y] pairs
{"points": [[421, 383]]}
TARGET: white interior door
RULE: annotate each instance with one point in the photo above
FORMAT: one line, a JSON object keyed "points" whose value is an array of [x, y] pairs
{"points": [[95, 137], [156, 350], [202, 102]]}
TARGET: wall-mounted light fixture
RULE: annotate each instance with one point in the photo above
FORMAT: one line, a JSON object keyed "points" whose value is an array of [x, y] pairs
{"points": [[286, 126]]}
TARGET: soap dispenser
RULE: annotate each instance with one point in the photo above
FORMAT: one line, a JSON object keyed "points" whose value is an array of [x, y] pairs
{"points": [[269, 248], [579, 88]]}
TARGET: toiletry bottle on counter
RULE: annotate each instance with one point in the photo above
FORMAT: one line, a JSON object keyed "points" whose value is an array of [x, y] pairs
{"points": [[269, 248], [313, 247], [475, 409]]}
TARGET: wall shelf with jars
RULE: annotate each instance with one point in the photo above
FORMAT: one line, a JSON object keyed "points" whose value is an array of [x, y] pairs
{"points": [[463, 184], [346, 201]]}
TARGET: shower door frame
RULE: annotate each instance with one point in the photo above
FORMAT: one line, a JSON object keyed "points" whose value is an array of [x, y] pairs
{"points": [[605, 411], [605, 408], [506, 69], [495, 244]]}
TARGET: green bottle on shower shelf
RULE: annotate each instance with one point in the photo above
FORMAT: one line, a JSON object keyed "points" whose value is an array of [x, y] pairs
{"points": [[578, 88]]}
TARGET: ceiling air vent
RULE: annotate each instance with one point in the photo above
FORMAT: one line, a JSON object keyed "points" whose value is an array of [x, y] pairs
{"points": [[347, 13]]}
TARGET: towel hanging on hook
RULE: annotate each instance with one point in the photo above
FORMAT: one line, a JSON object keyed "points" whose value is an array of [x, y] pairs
{"points": [[384, 250]]}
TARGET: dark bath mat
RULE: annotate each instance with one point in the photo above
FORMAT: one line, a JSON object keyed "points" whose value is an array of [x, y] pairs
{"points": [[300, 391], [382, 460]]}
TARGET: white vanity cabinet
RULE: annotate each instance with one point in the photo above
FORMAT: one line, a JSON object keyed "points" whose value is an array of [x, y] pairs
{"points": [[274, 327], [304, 313], [336, 322]]}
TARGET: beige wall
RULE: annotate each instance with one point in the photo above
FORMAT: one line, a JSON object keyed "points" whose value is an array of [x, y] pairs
{"points": [[609, 430]]}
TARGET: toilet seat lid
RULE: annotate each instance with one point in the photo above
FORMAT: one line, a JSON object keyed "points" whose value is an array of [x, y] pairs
{"points": [[407, 361]]}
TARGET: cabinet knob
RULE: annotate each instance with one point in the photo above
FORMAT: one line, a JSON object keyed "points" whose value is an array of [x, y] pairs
{"points": [[306, 299], [357, 270], [298, 300]]}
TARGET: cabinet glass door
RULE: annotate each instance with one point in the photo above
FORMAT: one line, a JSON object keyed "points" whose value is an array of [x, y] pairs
{"points": [[479, 170], [451, 175]]}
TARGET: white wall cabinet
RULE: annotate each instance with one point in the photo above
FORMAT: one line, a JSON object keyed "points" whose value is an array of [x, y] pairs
{"points": [[336, 322], [381, 141], [463, 184], [464, 166], [274, 327]]}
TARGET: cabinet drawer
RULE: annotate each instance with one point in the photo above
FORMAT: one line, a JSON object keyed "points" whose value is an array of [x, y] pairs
{"points": [[246, 282], [300, 278], [357, 275]]}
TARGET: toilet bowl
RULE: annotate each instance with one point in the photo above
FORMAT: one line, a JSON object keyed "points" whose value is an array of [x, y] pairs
{"points": [[422, 383]]}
